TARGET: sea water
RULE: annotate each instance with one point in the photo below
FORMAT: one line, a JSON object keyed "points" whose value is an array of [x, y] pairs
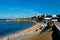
{"points": [[12, 27]]}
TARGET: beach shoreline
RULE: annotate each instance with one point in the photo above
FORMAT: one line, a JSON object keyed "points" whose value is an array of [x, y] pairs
{"points": [[23, 32]]}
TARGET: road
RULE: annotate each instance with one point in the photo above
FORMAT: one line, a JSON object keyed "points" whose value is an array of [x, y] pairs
{"points": [[57, 24]]}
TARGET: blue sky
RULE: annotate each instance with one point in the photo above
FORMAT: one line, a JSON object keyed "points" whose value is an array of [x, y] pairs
{"points": [[28, 8]]}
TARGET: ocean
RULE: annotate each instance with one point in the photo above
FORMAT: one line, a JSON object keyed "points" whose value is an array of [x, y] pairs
{"points": [[12, 27]]}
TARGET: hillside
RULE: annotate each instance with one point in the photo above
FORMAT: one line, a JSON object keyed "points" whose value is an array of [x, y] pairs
{"points": [[47, 35]]}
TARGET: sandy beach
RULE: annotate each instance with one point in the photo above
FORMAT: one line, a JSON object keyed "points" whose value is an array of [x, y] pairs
{"points": [[23, 32]]}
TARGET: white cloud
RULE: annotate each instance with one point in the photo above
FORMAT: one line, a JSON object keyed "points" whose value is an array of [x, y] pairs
{"points": [[26, 10], [23, 10], [13, 8]]}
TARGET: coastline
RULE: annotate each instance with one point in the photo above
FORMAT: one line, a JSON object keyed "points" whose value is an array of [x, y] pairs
{"points": [[23, 32]]}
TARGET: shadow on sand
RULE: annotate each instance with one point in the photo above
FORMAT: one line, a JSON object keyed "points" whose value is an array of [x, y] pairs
{"points": [[55, 35]]}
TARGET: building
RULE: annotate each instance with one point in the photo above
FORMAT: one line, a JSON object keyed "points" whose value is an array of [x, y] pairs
{"points": [[47, 19], [54, 16], [38, 15], [58, 17], [54, 19]]}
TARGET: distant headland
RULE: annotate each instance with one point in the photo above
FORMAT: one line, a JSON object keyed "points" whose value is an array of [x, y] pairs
{"points": [[17, 20], [38, 17]]}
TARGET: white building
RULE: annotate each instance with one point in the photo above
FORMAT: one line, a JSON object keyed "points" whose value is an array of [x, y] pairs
{"points": [[54, 15], [47, 19], [39, 15], [55, 19]]}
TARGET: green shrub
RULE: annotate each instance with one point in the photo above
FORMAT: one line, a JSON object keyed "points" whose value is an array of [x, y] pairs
{"points": [[50, 24]]}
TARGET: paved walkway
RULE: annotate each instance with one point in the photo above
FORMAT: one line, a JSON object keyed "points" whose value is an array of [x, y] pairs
{"points": [[57, 24]]}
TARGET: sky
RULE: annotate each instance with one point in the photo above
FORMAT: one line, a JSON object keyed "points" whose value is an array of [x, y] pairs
{"points": [[28, 8]]}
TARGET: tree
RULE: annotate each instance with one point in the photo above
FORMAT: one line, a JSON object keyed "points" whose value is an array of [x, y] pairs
{"points": [[39, 19], [50, 24], [33, 17]]}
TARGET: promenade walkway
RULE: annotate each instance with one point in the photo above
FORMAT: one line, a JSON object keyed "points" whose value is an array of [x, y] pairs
{"points": [[57, 24]]}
